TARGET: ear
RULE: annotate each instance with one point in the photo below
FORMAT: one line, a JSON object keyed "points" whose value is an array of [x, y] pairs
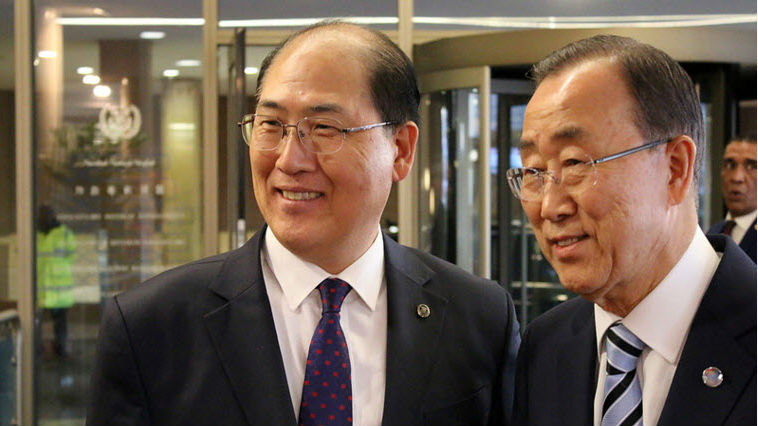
{"points": [[406, 137], [681, 153]]}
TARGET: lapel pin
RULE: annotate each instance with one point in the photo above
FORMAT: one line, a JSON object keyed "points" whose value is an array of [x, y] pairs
{"points": [[423, 311], [712, 377]]}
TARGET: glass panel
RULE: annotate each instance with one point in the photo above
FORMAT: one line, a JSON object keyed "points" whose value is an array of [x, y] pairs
{"points": [[118, 144], [448, 160], [9, 326]]}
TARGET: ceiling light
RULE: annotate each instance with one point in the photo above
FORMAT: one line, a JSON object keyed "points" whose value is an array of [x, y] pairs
{"points": [[152, 35], [188, 63], [47, 54], [163, 22], [170, 73], [91, 79], [85, 70], [101, 91], [251, 70]]}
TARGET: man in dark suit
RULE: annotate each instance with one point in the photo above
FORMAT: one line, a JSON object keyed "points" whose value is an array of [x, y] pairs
{"points": [[664, 330], [319, 318], [739, 190]]}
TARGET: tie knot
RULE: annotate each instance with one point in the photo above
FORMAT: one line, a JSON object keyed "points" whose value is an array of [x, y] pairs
{"points": [[728, 227], [333, 292], [623, 349]]}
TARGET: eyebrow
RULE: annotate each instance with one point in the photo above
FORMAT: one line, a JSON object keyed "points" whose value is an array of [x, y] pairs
{"points": [[567, 133], [318, 108], [326, 108]]}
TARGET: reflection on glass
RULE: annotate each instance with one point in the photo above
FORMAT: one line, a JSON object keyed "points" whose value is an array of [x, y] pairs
{"points": [[118, 173], [9, 325], [449, 163]]}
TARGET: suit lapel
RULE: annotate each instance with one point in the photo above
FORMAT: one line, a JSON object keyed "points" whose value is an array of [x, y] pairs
{"points": [[725, 317], [244, 336], [411, 340], [748, 242], [576, 359]]}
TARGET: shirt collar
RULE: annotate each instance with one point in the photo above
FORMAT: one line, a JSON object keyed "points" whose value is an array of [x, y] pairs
{"points": [[662, 319], [743, 221], [298, 278]]}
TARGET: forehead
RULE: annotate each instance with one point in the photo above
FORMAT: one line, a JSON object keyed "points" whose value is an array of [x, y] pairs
{"points": [[327, 55], [323, 73], [587, 104], [740, 150]]}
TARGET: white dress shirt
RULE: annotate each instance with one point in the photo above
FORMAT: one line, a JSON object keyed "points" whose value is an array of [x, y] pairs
{"points": [[742, 223], [296, 307], [661, 320]]}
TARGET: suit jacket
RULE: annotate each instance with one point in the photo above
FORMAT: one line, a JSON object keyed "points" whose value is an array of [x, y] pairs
{"points": [[197, 346], [748, 241], [557, 371]]}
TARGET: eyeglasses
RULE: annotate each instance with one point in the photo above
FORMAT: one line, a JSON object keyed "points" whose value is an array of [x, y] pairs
{"points": [[317, 135], [528, 184]]}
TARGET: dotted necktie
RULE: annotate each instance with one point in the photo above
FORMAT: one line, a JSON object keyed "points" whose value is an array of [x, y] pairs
{"points": [[327, 393], [622, 401], [728, 227]]}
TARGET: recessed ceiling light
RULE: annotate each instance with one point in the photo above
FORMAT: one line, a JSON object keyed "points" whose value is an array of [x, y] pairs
{"points": [[101, 91], [85, 70], [152, 35], [170, 73], [251, 70], [47, 54], [188, 63], [91, 79]]}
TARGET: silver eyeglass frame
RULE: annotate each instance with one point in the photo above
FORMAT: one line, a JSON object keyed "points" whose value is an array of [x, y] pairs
{"points": [[248, 118], [513, 174]]}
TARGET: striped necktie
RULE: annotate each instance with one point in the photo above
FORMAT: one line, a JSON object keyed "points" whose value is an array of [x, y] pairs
{"points": [[622, 401]]}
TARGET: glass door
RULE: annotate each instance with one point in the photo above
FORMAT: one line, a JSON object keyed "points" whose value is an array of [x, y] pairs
{"points": [[454, 163]]}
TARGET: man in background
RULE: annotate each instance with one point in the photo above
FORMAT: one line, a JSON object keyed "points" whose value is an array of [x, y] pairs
{"points": [[319, 318], [664, 330], [739, 191]]}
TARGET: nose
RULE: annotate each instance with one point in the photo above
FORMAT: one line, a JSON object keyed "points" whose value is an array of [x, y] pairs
{"points": [[293, 157], [557, 204], [738, 174]]}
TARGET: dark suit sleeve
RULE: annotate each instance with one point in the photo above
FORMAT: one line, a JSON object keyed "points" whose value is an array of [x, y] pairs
{"points": [[504, 394], [520, 406], [117, 395]]}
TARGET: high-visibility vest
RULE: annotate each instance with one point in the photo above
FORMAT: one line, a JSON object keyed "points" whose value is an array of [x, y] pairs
{"points": [[56, 251]]}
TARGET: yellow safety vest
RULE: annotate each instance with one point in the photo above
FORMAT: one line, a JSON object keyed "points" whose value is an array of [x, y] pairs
{"points": [[56, 251]]}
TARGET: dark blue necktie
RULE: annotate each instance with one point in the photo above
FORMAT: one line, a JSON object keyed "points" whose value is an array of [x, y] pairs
{"points": [[327, 393]]}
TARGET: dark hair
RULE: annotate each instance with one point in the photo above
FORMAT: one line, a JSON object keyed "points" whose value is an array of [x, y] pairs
{"points": [[743, 138], [46, 219], [667, 102], [392, 79]]}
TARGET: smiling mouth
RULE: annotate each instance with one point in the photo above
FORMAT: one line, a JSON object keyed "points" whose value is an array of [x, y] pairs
{"points": [[568, 241], [300, 196]]}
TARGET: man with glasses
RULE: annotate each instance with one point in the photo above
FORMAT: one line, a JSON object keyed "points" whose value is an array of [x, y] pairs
{"points": [[319, 318], [664, 330], [739, 191]]}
